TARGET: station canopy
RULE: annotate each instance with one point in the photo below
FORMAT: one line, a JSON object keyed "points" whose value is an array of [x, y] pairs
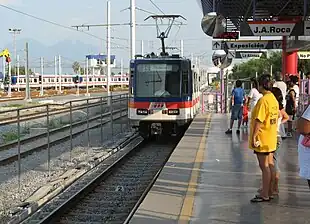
{"points": [[238, 11], [242, 10]]}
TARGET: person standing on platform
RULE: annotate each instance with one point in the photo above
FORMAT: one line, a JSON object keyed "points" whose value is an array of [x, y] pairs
{"points": [[295, 80], [290, 107], [303, 127], [245, 114], [263, 135], [237, 98], [254, 94], [279, 83]]}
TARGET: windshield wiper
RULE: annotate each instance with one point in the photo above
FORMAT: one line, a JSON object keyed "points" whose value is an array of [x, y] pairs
{"points": [[147, 82]]}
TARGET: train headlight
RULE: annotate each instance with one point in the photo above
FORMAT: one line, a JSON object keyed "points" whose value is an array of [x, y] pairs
{"points": [[173, 112], [142, 112]]}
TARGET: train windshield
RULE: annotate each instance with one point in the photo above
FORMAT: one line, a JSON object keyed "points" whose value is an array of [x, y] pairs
{"points": [[158, 80]]}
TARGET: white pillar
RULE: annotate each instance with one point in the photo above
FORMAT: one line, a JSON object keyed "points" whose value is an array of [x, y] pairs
{"points": [[55, 71], [42, 79], [59, 70], [132, 29], [142, 48], [108, 48], [3, 68], [17, 71], [9, 79], [181, 48], [87, 90], [122, 71]]}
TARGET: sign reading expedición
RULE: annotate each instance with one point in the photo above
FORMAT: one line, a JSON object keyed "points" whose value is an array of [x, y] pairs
{"points": [[271, 28], [246, 44]]}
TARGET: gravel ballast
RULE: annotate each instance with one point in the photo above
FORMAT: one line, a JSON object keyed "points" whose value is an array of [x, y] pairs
{"points": [[35, 171]]}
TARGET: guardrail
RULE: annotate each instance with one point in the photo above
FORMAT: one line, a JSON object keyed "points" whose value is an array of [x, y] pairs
{"points": [[79, 116]]}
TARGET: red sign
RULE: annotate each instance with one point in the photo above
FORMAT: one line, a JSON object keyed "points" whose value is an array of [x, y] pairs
{"points": [[228, 35]]}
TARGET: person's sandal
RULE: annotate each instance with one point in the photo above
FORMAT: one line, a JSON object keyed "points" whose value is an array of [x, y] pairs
{"points": [[259, 198]]}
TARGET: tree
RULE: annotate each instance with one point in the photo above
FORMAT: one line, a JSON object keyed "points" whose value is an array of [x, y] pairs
{"points": [[76, 67], [21, 70], [261, 65]]}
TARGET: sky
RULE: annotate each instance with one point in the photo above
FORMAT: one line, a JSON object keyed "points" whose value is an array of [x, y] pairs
{"points": [[72, 12]]}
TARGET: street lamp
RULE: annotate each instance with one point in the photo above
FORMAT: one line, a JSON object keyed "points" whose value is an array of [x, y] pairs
{"points": [[15, 31]]}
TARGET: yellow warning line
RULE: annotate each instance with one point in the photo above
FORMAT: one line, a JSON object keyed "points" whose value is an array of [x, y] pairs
{"points": [[188, 203]]}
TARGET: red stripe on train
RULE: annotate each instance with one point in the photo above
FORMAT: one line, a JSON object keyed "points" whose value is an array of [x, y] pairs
{"points": [[169, 105]]}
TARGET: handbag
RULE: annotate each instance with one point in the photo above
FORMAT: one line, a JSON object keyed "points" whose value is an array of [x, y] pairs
{"points": [[306, 141]]}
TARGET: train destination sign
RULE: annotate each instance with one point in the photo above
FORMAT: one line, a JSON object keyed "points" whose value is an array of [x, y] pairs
{"points": [[304, 55], [228, 35], [246, 44]]}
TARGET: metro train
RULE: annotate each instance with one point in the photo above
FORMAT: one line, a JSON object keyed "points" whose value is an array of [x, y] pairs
{"points": [[164, 94], [68, 81]]}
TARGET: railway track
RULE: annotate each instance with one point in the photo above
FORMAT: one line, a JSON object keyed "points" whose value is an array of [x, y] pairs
{"points": [[52, 112], [113, 192], [105, 119]]}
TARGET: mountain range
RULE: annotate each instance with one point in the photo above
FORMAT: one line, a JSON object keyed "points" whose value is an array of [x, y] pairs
{"points": [[69, 50], [74, 50]]}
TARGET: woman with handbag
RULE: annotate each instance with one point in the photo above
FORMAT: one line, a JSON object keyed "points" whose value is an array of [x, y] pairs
{"points": [[303, 127]]}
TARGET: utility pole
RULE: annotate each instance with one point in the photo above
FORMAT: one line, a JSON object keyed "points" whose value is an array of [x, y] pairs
{"points": [[108, 49], [132, 29], [55, 71], [3, 69], [42, 79], [28, 95], [10, 79], [87, 91], [59, 71], [18, 72], [122, 71]]}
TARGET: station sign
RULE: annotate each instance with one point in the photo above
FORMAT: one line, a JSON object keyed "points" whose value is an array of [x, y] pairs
{"points": [[246, 45], [274, 28], [304, 55], [270, 28], [246, 54], [227, 35]]}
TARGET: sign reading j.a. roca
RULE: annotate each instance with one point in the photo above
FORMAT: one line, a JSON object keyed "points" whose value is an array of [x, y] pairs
{"points": [[271, 28]]}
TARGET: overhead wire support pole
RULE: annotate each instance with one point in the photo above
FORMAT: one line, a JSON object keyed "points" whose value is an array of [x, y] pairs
{"points": [[163, 35], [28, 93], [305, 9], [108, 50], [132, 29], [42, 79]]}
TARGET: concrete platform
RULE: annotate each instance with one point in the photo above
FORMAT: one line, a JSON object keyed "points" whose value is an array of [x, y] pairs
{"points": [[211, 177]]}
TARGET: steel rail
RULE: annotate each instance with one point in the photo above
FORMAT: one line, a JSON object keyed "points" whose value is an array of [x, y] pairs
{"points": [[52, 112], [14, 158], [68, 205]]}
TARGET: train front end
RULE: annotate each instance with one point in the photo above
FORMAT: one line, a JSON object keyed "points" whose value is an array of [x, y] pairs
{"points": [[160, 95]]}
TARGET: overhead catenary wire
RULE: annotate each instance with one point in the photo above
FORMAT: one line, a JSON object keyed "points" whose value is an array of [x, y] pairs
{"points": [[55, 24]]}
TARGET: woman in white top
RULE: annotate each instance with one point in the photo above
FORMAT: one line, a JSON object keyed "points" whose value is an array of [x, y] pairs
{"points": [[303, 127], [254, 95]]}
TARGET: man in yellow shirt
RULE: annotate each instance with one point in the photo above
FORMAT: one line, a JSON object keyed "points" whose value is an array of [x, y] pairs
{"points": [[263, 134]]}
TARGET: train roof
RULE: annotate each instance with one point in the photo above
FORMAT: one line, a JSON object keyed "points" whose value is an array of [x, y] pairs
{"points": [[153, 57]]}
